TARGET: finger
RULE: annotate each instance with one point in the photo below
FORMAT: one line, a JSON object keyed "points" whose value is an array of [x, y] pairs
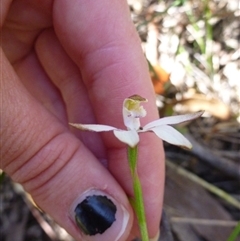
{"points": [[37, 83], [105, 46], [56, 168], [66, 76], [23, 21]]}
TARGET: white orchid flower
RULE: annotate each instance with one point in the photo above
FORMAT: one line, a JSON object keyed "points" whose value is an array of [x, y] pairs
{"points": [[132, 112]]}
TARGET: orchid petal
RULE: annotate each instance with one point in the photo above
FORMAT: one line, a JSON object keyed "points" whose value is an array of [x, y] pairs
{"points": [[130, 137], [172, 136], [172, 120], [94, 127]]}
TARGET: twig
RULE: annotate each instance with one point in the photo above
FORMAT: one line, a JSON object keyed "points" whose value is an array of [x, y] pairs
{"points": [[208, 222], [41, 221], [217, 191], [218, 162]]}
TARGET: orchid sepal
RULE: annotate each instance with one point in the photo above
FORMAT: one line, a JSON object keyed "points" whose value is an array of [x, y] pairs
{"points": [[173, 120], [93, 127]]}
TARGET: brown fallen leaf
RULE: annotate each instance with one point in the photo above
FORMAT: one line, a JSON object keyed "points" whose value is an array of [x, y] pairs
{"points": [[200, 102], [159, 77]]}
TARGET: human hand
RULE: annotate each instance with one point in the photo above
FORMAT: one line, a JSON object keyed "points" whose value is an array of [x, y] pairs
{"points": [[75, 61]]}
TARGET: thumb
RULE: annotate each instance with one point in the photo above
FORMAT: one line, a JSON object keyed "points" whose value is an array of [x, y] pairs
{"points": [[60, 173]]}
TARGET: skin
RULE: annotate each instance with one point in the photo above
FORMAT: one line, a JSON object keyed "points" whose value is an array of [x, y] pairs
{"points": [[74, 61]]}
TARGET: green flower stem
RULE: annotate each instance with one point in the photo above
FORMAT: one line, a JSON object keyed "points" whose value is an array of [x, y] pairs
{"points": [[137, 201]]}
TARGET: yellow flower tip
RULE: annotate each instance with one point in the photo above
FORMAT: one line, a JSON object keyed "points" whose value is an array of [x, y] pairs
{"points": [[188, 148], [137, 98], [78, 126]]}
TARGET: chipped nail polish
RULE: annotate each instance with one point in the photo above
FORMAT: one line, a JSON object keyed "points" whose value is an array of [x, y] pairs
{"points": [[95, 214], [99, 216]]}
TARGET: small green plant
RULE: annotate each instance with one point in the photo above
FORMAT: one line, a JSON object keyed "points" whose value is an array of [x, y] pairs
{"points": [[203, 42], [235, 233]]}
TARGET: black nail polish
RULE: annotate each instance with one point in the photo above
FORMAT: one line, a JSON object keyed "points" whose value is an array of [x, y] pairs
{"points": [[95, 214]]}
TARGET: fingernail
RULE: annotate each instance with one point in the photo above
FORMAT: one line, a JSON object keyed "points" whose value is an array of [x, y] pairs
{"points": [[97, 215], [151, 239], [156, 237]]}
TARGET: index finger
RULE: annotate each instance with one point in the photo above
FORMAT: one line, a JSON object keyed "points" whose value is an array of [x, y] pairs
{"points": [[101, 39]]}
